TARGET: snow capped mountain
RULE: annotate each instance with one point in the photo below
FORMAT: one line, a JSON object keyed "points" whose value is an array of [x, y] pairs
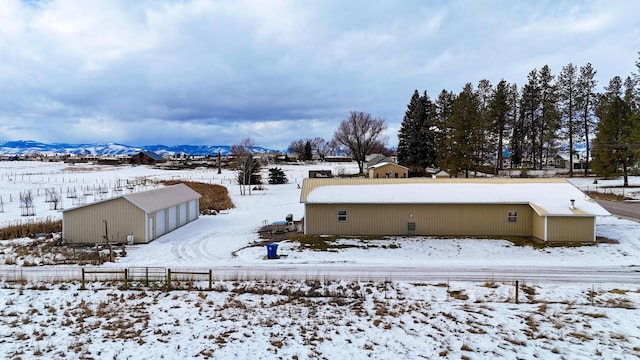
{"points": [[21, 147]]}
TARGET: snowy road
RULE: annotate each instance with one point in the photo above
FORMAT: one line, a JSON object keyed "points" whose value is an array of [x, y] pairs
{"points": [[627, 275]]}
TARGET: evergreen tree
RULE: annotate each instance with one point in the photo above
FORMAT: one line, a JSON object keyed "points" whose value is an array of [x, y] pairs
{"points": [[568, 90], [529, 123], [443, 106], [277, 176], [586, 101], [308, 151], [460, 132], [416, 138], [484, 136], [517, 133], [549, 116], [614, 144], [499, 116]]}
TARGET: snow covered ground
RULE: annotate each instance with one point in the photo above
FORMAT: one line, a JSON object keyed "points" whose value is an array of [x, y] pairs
{"points": [[315, 318]]}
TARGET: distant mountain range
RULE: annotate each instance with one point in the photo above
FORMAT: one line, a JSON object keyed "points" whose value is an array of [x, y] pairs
{"points": [[22, 147]]}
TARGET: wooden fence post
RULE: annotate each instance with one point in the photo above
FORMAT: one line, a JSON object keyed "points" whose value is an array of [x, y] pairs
{"points": [[126, 279], [517, 292], [168, 279], [82, 286], [210, 279]]}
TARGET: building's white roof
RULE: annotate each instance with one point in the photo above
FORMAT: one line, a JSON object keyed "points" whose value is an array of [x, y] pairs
{"points": [[162, 198], [386, 163], [153, 200], [546, 198]]}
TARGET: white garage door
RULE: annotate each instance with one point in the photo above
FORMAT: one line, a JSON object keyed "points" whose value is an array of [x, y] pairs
{"points": [[173, 218], [193, 210], [161, 227], [183, 214]]}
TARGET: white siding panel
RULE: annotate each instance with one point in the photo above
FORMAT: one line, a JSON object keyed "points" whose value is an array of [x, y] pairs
{"points": [[173, 218], [193, 210], [183, 214], [161, 223]]}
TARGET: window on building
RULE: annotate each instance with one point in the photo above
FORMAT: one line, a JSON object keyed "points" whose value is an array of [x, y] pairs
{"points": [[411, 226], [512, 216], [342, 215]]}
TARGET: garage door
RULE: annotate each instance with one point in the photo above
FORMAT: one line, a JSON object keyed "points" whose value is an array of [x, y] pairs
{"points": [[193, 210], [161, 227], [173, 218], [183, 214]]}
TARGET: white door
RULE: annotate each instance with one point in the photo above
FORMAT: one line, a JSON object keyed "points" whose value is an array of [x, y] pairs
{"points": [[183, 214], [173, 218], [161, 227], [193, 210]]}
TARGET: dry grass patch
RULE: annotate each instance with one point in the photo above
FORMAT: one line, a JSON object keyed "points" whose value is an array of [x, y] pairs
{"points": [[214, 197], [23, 229]]}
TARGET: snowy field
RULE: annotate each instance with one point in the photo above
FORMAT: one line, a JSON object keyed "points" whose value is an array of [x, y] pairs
{"points": [[315, 318]]}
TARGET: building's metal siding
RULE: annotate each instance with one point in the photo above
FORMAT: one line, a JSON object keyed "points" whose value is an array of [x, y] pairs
{"points": [[86, 225], [571, 228], [395, 171], [538, 226], [431, 219]]}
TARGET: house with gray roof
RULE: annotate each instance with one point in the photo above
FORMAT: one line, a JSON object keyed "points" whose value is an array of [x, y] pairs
{"points": [[147, 158], [133, 218]]}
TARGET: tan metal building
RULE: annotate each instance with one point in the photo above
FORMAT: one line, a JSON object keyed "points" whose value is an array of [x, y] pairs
{"points": [[551, 210], [388, 170], [138, 218]]}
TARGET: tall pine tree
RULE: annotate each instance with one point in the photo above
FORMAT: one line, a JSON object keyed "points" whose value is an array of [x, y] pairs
{"points": [[568, 91], [586, 101], [614, 144], [499, 116], [416, 137], [461, 131]]}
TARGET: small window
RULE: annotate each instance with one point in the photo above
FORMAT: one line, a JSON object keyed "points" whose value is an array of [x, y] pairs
{"points": [[512, 216], [411, 226], [342, 215]]}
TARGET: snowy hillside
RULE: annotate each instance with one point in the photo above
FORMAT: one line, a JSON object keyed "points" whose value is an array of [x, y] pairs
{"points": [[29, 147]]}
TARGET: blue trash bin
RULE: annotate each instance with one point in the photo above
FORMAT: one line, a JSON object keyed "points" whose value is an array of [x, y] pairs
{"points": [[272, 251]]}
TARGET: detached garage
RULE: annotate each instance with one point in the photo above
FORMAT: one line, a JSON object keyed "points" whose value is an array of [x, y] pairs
{"points": [[140, 217], [551, 210]]}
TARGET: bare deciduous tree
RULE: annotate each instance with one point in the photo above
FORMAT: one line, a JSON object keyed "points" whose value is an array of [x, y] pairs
{"points": [[246, 165], [297, 147], [26, 203], [54, 198], [360, 133]]}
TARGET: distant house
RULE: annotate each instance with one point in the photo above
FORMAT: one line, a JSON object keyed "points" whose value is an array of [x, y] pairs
{"points": [[144, 216], [147, 158], [561, 161], [375, 159], [441, 175], [551, 210], [388, 170], [320, 174]]}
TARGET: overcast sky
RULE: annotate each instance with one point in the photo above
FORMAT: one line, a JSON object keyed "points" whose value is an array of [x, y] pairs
{"points": [[214, 72]]}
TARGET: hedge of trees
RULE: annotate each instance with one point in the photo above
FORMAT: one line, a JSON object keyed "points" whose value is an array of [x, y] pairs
{"points": [[467, 131]]}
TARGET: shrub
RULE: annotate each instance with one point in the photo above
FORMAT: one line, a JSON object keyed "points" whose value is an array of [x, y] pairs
{"points": [[277, 176]]}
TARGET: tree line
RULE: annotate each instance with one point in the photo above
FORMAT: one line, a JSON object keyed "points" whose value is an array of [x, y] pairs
{"points": [[470, 130]]}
